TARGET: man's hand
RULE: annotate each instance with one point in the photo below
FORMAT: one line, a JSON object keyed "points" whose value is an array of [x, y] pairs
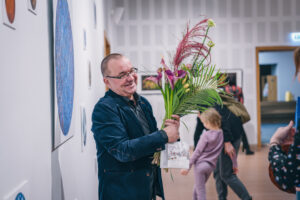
{"points": [[184, 172], [283, 135], [174, 121], [229, 150], [172, 128]]}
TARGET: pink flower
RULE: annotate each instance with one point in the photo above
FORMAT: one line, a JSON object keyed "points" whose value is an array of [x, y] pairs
{"points": [[180, 74], [164, 64], [170, 78], [190, 45], [156, 79]]}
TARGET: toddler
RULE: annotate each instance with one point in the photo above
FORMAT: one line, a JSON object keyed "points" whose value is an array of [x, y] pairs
{"points": [[207, 151]]}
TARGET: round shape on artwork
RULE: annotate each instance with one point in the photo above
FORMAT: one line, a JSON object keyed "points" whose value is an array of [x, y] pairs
{"points": [[64, 65], [10, 6]]}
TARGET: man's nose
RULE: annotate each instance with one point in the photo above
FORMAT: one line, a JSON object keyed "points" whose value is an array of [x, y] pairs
{"points": [[129, 76]]}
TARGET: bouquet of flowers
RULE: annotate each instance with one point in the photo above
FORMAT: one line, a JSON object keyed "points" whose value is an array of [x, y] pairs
{"points": [[191, 84]]}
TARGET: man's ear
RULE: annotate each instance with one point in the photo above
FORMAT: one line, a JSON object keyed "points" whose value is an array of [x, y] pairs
{"points": [[106, 82]]}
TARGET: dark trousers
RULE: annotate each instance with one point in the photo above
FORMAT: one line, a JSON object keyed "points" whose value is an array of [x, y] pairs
{"points": [[224, 176], [245, 140]]}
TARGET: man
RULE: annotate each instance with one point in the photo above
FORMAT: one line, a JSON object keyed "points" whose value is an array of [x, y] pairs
{"points": [[126, 136], [224, 175]]}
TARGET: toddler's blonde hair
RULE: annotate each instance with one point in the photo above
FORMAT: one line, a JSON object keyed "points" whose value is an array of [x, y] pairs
{"points": [[212, 116]]}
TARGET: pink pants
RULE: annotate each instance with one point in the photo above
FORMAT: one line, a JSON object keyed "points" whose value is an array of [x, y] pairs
{"points": [[201, 171]]}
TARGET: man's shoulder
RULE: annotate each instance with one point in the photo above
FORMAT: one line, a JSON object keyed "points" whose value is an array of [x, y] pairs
{"points": [[105, 101], [143, 99]]}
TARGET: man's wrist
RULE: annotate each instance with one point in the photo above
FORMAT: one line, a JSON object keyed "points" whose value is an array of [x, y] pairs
{"points": [[227, 143], [164, 135]]}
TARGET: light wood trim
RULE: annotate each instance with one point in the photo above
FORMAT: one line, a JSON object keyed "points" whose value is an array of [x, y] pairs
{"points": [[258, 100], [106, 45], [261, 49], [106, 50]]}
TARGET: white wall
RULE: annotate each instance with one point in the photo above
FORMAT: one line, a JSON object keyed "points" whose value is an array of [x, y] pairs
{"points": [[26, 107], [25, 144], [151, 28]]}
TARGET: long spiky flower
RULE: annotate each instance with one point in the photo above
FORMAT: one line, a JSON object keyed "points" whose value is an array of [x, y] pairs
{"points": [[190, 45]]}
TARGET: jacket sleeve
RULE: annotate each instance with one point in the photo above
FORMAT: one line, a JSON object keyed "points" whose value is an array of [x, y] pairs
{"points": [[111, 134], [199, 149], [198, 131], [225, 122]]}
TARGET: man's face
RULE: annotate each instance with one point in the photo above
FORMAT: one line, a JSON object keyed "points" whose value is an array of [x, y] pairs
{"points": [[125, 86]]}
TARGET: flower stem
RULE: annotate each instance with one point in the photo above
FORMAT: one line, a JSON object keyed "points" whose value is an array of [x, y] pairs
{"points": [[195, 60]]}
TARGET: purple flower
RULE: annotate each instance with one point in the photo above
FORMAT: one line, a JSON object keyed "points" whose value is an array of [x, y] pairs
{"points": [[164, 64], [180, 74], [156, 79], [170, 77]]}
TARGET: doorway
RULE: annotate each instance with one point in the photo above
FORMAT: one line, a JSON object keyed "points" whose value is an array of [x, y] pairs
{"points": [[269, 101]]}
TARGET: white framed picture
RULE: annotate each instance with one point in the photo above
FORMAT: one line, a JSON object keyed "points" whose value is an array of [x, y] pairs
{"points": [[83, 127], [84, 39], [235, 74], [146, 86], [95, 14], [9, 13], [31, 5], [89, 75]]}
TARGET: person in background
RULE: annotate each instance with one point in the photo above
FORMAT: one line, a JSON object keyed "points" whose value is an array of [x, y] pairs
{"points": [[206, 153], [126, 136], [237, 93], [286, 166]]}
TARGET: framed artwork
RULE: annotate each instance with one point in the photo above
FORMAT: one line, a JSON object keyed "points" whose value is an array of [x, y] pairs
{"points": [[95, 14], [89, 75], [83, 127], [236, 75], [31, 4], [9, 13], [146, 86], [63, 73], [84, 39]]}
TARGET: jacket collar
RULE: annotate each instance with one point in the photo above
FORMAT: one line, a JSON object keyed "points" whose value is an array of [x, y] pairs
{"points": [[121, 99]]}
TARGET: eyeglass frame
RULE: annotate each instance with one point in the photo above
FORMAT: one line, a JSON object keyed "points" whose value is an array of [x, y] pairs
{"points": [[133, 70]]}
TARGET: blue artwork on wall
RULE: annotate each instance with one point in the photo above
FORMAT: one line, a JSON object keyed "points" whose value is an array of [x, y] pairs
{"points": [[64, 66], [20, 196]]}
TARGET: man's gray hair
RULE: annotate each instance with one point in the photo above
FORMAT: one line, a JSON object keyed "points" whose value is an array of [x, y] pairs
{"points": [[106, 60]]}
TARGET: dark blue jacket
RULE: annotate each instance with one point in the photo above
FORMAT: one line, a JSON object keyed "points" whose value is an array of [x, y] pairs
{"points": [[124, 153]]}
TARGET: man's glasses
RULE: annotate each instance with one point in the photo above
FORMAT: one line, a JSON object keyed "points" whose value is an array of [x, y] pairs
{"points": [[124, 75]]}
